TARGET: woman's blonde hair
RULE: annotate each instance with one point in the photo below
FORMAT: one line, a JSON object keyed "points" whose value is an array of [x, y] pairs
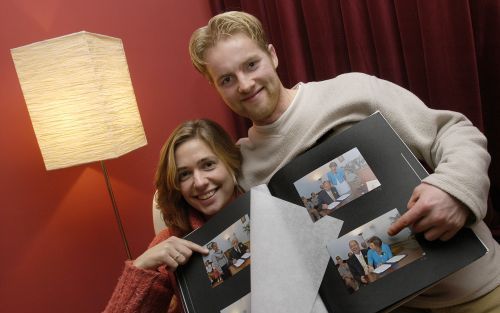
{"points": [[220, 27], [174, 207]]}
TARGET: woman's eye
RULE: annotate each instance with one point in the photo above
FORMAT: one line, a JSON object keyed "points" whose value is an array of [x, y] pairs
{"points": [[209, 165], [182, 176], [225, 80]]}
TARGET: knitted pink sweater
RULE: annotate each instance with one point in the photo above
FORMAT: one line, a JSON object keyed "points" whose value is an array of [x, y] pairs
{"points": [[140, 290]]}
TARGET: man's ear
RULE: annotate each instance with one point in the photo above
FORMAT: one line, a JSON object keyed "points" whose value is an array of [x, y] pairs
{"points": [[272, 53]]}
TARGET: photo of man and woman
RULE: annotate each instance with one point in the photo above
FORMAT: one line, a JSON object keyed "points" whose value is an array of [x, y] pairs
{"points": [[336, 183], [229, 252], [368, 254]]}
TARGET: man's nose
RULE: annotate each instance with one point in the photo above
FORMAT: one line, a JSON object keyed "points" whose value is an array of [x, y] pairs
{"points": [[245, 83]]}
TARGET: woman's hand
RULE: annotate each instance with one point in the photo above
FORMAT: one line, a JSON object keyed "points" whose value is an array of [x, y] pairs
{"points": [[171, 252]]}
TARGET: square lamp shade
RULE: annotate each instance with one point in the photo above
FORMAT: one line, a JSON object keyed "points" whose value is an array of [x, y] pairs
{"points": [[80, 98]]}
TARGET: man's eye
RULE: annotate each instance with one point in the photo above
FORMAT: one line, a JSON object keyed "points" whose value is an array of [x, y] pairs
{"points": [[252, 65]]}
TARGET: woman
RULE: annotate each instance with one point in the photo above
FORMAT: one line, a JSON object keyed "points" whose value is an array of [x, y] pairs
{"points": [[378, 253], [195, 179]]}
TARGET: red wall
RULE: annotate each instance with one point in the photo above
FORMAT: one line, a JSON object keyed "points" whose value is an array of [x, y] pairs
{"points": [[60, 247]]}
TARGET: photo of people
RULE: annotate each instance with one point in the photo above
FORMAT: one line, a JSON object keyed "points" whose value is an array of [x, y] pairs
{"points": [[229, 252], [240, 306], [367, 253], [336, 183]]}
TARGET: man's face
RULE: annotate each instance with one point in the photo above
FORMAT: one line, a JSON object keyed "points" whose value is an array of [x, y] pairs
{"points": [[327, 185], [246, 79], [354, 246]]}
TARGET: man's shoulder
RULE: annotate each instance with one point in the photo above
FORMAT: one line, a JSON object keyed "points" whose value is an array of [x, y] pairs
{"points": [[341, 79]]}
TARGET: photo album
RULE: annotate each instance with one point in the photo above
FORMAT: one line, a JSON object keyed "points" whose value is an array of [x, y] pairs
{"points": [[363, 176]]}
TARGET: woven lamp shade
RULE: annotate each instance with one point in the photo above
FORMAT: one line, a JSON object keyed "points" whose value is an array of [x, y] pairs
{"points": [[80, 98]]}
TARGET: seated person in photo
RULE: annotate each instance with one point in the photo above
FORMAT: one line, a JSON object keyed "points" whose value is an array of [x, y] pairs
{"points": [[327, 195], [311, 209], [314, 200], [237, 250], [346, 275], [214, 273], [357, 262], [378, 253]]}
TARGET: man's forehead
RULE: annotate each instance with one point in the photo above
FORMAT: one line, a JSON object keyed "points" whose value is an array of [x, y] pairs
{"points": [[229, 53]]}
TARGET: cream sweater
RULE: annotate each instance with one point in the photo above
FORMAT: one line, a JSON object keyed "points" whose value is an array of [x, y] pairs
{"points": [[445, 140]]}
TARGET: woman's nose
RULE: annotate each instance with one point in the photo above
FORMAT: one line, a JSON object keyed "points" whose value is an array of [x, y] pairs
{"points": [[199, 179]]}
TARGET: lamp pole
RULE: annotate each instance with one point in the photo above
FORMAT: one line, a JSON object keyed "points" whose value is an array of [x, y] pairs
{"points": [[115, 209]]}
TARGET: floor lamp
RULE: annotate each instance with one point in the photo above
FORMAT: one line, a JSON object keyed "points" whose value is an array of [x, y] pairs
{"points": [[81, 102]]}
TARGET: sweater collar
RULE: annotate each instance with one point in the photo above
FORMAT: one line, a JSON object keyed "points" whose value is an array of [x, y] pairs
{"points": [[276, 127]]}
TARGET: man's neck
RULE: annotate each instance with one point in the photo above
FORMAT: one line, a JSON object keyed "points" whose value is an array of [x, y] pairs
{"points": [[284, 101]]}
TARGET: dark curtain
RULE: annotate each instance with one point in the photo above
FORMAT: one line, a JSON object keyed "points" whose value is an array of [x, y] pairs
{"points": [[447, 52]]}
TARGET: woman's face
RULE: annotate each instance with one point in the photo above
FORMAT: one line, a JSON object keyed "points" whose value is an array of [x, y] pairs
{"points": [[205, 181], [374, 247]]}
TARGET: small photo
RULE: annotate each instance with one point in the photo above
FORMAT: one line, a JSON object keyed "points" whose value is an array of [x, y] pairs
{"points": [[240, 306], [229, 252], [336, 183], [368, 254]]}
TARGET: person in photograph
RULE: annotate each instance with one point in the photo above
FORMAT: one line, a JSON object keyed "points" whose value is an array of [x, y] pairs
{"points": [[336, 177], [214, 273], [314, 200], [237, 250], [344, 271], [358, 263], [220, 260], [195, 179], [378, 253], [311, 209], [232, 52], [327, 195]]}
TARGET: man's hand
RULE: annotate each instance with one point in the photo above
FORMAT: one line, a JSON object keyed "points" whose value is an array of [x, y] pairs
{"points": [[433, 212]]}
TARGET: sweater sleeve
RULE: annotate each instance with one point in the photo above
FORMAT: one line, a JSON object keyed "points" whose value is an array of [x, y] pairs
{"points": [[446, 140], [140, 290]]}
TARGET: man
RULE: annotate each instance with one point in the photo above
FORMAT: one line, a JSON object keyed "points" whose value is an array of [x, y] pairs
{"points": [[232, 52], [327, 195], [337, 179], [358, 262], [237, 250]]}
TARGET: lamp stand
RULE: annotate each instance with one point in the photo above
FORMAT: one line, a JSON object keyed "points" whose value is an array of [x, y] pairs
{"points": [[115, 209]]}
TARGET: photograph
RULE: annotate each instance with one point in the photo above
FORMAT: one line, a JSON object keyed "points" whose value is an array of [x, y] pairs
{"points": [[336, 183], [368, 254], [229, 252]]}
